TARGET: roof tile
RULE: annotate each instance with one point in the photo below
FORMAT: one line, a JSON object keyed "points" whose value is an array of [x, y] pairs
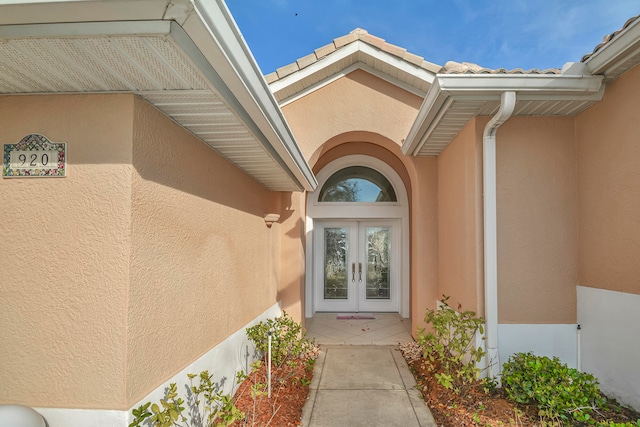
{"points": [[287, 69], [373, 40], [345, 40], [355, 35], [452, 67], [413, 58], [325, 50], [394, 50], [305, 61], [606, 39], [271, 77]]}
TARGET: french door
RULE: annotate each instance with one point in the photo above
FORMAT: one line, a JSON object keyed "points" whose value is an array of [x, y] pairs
{"points": [[356, 266]]}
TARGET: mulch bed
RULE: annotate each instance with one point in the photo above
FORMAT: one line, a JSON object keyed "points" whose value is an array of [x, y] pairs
{"points": [[477, 408], [289, 390]]}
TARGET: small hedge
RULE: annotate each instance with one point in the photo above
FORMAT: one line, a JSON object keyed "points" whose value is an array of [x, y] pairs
{"points": [[562, 394]]}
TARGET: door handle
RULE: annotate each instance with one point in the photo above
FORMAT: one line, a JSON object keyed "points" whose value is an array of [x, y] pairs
{"points": [[360, 270], [353, 271]]}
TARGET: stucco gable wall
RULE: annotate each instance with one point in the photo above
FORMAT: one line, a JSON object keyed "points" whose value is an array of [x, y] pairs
{"points": [[65, 258], [202, 262], [358, 101], [608, 137]]}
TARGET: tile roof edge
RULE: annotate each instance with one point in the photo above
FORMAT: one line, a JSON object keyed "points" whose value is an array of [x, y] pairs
{"points": [[607, 39], [453, 67], [357, 34]]}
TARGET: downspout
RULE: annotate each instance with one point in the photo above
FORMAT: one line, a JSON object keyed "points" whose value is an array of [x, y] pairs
{"points": [[507, 105]]}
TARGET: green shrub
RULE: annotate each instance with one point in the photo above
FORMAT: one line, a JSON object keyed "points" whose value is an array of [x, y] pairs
{"points": [[208, 406], [562, 394], [288, 339], [450, 345]]}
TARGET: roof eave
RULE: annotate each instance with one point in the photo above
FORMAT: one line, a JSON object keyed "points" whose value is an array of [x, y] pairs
{"points": [[206, 25], [356, 54], [244, 77], [618, 55], [489, 87]]}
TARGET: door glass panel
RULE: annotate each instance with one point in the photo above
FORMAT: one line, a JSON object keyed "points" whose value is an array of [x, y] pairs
{"points": [[335, 263], [378, 257], [357, 184]]}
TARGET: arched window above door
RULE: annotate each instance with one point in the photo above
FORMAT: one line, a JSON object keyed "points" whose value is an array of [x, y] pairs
{"points": [[357, 184]]}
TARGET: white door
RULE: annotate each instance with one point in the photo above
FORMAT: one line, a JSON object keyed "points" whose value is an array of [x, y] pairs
{"points": [[356, 266]]}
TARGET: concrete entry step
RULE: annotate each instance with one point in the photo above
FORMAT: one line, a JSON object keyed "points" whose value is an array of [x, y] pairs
{"points": [[364, 386], [384, 329]]}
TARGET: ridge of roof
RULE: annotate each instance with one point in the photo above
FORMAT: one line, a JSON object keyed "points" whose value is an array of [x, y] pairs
{"points": [[453, 67], [609, 37], [358, 34]]}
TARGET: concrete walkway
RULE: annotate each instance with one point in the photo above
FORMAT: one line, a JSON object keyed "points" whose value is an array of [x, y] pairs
{"points": [[363, 385]]}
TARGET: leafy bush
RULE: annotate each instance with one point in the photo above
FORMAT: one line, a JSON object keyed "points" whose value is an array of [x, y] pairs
{"points": [[288, 339], [216, 410], [562, 394], [450, 346]]}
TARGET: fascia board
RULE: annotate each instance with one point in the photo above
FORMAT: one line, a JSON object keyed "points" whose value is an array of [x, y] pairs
{"points": [[625, 45], [433, 106], [396, 62], [357, 47], [357, 66], [316, 67], [60, 11], [238, 70], [493, 84]]}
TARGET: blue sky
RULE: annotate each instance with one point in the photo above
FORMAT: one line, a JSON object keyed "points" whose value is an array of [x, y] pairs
{"points": [[495, 33]]}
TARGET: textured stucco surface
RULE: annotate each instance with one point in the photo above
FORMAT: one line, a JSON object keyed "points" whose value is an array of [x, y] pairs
{"points": [[609, 188], [424, 239], [202, 264], [460, 244], [290, 243], [537, 206], [151, 252], [357, 102], [65, 258]]}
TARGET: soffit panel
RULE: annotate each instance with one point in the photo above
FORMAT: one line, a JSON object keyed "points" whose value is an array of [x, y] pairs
{"points": [[153, 67], [462, 109]]}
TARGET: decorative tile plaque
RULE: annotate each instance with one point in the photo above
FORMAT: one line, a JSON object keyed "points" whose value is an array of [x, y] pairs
{"points": [[34, 156]]}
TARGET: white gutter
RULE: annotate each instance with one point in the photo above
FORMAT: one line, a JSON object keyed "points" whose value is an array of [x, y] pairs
{"points": [[618, 55], [507, 105], [477, 88]]}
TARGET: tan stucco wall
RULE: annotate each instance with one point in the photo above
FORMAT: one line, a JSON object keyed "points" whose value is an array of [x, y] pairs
{"points": [[609, 188], [201, 263], [424, 238], [148, 254], [64, 265], [357, 102], [537, 220], [291, 293], [460, 227]]}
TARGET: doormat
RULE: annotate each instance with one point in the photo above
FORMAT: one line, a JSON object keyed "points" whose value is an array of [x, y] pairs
{"points": [[354, 316]]}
